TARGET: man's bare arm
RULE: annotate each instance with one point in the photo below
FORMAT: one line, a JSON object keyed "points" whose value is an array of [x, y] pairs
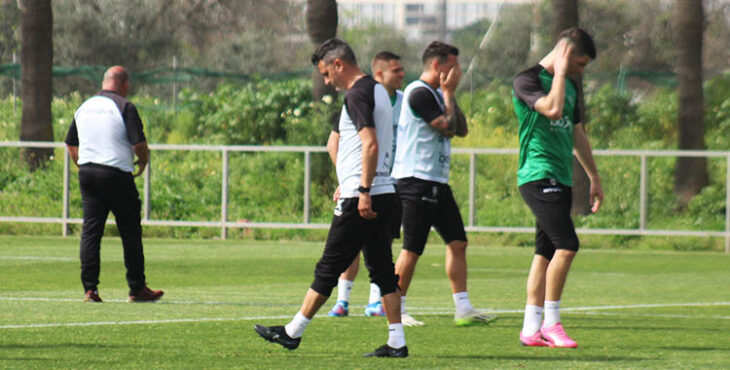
{"points": [[73, 151], [333, 144], [143, 156], [584, 153]]}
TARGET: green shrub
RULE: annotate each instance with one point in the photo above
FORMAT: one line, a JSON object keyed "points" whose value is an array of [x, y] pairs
{"points": [[251, 114]]}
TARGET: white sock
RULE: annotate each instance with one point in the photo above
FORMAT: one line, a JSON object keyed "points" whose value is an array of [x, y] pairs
{"points": [[462, 303], [296, 327], [402, 305], [374, 293], [396, 336], [552, 313], [533, 318], [343, 290]]}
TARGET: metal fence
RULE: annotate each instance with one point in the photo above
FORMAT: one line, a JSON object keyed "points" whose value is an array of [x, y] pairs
{"points": [[307, 151]]}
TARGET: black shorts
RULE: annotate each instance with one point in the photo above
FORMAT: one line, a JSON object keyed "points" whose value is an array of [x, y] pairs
{"points": [[425, 204], [348, 235], [550, 202], [397, 217]]}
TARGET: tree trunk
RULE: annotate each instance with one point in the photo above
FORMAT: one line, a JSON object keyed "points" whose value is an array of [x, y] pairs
{"points": [[36, 76], [566, 16], [321, 26], [690, 174]]}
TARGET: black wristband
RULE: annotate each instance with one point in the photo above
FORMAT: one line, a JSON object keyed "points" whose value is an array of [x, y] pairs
{"points": [[363, 189]]}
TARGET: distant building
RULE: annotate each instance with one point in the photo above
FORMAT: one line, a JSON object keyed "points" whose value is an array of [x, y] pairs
{"points": [[419, 18]]}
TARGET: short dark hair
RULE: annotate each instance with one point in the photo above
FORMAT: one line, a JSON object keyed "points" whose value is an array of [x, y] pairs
{"points": [[385, 56], [582, 41], [334, 49], [438, 49]]}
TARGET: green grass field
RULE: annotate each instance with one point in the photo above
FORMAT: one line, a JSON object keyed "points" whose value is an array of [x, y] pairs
{"points": [[626, 309]]}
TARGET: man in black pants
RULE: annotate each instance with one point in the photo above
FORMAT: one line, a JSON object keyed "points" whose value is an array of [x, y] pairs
{"points": [[105, 135], [363, 216]]}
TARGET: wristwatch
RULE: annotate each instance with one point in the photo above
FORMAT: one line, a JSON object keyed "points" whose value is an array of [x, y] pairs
{"points": [[363, 189]]}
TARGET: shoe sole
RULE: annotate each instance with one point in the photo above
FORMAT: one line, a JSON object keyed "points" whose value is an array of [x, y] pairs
{"points": [[473, 322], [262, 335], [388, 356], [133, 300], [553, 345], [523, 344]]}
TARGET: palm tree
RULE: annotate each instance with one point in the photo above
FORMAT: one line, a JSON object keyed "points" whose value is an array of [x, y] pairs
{"points": [[321, 26], [690, 174], [566, 16], [36, 60]]}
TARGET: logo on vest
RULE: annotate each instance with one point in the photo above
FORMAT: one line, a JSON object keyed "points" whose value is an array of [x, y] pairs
{"points": [[563, 123], [443, 158]]}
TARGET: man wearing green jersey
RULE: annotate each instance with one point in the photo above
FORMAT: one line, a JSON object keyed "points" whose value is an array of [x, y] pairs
{"points": [[547, 103]]}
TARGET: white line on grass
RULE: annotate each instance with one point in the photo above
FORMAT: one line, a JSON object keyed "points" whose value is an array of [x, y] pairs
{"points": [[587, 308], [34, 258], [165, 321], [436, 311], [44, 299], [671, 316]]}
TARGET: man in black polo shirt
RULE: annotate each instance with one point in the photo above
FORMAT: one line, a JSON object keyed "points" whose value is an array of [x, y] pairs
{"points": [[363, 216], [105, 135]]}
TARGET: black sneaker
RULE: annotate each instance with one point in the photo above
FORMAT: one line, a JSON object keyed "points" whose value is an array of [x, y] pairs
{"points": [[277, 334], [388, 351]]}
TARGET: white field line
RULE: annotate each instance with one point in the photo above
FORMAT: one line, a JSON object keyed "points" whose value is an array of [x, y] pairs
{"points": [[77, 300], [35, 258], [138, 322], [670, 316], [436, 311], [587, 308]]}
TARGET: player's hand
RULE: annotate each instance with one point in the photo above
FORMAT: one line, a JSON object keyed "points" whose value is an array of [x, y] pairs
{"points": [[449, 80], [562, 57], [140, 169], [596, 192], [365, 207], [336, 195]]}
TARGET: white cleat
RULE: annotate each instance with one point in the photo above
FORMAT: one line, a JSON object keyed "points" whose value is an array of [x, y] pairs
{"points": [[474, 318], [408, 320]]}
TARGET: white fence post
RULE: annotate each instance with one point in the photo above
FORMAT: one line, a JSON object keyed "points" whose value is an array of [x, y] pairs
{"points": [[642, 193], [224, 195], [66, 176], [472, 190], [307, 183], [146, 205]]}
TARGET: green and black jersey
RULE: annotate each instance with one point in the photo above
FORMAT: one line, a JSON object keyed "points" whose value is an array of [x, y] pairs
{"points": [[546, 147]]}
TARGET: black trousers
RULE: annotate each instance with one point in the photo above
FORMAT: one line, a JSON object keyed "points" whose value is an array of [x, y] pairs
{"points": [[348, 235], [105, 189]]}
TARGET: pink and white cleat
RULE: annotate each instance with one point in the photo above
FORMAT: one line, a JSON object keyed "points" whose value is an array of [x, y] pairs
{"points": [[556, 336], [534, 340]]}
